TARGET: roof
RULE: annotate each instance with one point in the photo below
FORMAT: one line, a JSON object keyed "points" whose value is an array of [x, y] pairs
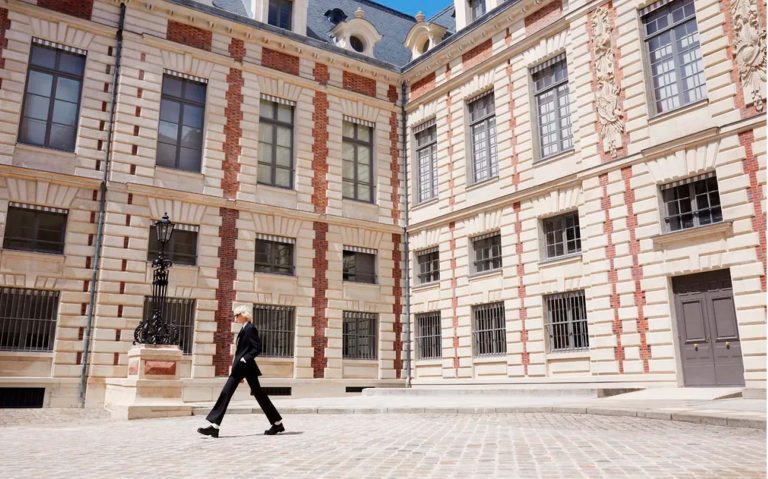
{"points": [[446, 18]]}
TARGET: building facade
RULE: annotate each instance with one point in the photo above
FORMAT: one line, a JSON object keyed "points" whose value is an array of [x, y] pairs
{"points": [[522, 193]]}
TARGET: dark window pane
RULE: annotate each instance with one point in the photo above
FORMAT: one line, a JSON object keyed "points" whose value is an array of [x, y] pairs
{"points": [[193, 116], [72, 63], [274, 257], [43, 56], [35, 230], [166, 155], [37, 107], [170, 110], [40, 83], [167, 132], [195, 91], [189, 159], [68, 90], [33, 131], [65, 112], [172, 86], [181, 148], [62, 137]]}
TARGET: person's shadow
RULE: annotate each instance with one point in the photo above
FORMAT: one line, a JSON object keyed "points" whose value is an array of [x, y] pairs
{"points": [[237, 436]]}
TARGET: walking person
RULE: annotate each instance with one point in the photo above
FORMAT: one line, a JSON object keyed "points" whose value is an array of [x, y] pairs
{"points": [[248, 346]]}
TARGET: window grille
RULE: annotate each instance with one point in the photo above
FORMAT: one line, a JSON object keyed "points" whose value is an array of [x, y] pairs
{"points": [[567, 321], [276, 326], [428, 335], [691, 204], [489, 332], [553, 108], [482, 113], [180, 130], [276, 144], [562, 235], [35, 228], [28, 319], [359, 335], [181, 312]]}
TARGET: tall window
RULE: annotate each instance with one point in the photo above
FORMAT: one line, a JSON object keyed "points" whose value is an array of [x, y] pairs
{"points": [[35, 228], [567, 321], [550, 82], [674, 54], [426, 154], [357, 156], [428, 335], [182, 249], [276, 326], [477, 9], [429, 265], [359, 335], [280, 12], [695, 202], [180, 131], [52, 98], [274, 255], [562, 235], [489, 331], [359, 265], [487, 252], [276, 144], [181, 312], [28, 319], [482, 115]]}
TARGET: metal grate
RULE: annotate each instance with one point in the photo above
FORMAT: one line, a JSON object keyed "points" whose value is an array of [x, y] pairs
{"points": [[276, 326], [567, 321], [181, 312], [359, 339], [489, 332], [28, 319], [428, 335], [17, 398]]}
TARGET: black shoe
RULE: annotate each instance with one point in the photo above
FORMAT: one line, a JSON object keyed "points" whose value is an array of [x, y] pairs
{"points": [[208, 431], [274, 430]]}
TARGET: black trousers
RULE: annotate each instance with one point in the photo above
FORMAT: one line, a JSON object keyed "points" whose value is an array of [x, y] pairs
{"points": [[247, 371]]}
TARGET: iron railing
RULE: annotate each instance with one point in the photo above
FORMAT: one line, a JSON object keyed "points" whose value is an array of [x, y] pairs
{"points": [[489, 332], [428, 336], [567, 321], [28, 319], [276, 326], [181, 312], [359, 337]]}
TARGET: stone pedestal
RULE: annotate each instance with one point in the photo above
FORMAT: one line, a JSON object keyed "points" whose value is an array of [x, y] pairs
{"points": [[153, 387]]}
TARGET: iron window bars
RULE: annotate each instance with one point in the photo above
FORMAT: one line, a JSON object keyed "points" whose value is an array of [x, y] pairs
{"points": [[180, 130], [693, 203], [428, 336], [180, 312], [489, 332], [28, 319], [276, 144], [359, 335], [550, 82], [357, 162], [487, 250], [567, 321], [276, 326], [482, 114], [562, 235]]}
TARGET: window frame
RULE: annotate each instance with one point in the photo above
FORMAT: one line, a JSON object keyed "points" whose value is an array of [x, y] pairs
{"points": [[566, 331], [488, 120], [272, 163], [429, 338], [549, 67], [559, 225], [279, 4], [45, 327], [474, 11], [54, 86], [33, 242], [430, 147], [695, 210], [271, 337], [372, 336], [432, 272], [274, 268], [491, 238], [357, 143], [183, 102], [170, 248], [496, 330], [346, 275]]}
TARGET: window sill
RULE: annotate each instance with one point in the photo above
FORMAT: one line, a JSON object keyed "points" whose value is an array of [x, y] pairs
{"points": [[564, 355], [490, 358], [429, 362], [365, 361], [426, 286], [275, 187], [42, 158], [358, 202], [482, 183], [659, 117], [42, 255], [559, 260], [46, 149], [360, 283], [555, 157], [275, 275], [26, 354], [486, 274], [720, 230]]}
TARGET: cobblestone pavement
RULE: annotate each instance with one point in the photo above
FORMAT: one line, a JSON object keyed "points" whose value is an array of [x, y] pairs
{"points": [[383, 446]]}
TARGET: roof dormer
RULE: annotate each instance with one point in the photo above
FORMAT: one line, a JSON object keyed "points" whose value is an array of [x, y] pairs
{"points": [[423, 36], [286, 14], [357, 34]]}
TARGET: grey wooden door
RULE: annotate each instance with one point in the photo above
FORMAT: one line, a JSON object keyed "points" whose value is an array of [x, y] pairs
{"points": [[707, 330]]}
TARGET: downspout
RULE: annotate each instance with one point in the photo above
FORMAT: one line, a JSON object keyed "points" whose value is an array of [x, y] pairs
{"points": [[102, 211], [406, 251]]}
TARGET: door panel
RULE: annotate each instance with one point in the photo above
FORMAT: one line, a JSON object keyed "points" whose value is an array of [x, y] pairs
{"points": [[695, 350], [729, 369]]}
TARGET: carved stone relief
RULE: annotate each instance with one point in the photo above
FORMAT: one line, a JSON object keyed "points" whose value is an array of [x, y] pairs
{"points": [[609, 112], [749, 49]]}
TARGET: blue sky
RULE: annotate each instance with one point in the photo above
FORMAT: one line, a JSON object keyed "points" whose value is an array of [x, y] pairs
{"points": [[429, 7]]}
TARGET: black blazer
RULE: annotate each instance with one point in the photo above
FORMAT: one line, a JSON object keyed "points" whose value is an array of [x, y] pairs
{"points": [[248, 346]]}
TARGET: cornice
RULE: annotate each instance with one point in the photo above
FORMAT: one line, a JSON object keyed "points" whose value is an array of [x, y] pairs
{"points": [[10, 171], [56, 17]]}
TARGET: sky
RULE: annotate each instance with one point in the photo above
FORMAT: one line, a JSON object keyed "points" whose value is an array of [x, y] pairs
{"points": [[429, 7]]}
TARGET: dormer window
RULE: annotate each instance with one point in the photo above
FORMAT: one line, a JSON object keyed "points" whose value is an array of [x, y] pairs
{"points": [[356, 44], [423, 36], [477, 9], [356, 34], [280, 13]]}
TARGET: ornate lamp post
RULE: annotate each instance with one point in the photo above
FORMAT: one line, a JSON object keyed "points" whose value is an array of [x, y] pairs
{"points": [[157, 330]]}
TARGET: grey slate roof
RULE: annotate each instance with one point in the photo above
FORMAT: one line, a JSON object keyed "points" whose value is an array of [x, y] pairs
{"points": [[445, 18]]}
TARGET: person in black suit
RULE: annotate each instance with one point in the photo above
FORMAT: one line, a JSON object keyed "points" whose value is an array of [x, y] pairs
{"points": [[248, 346]]}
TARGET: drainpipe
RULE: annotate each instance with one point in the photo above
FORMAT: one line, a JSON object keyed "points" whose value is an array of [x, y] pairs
{"points": [[102, 211], [407, 251]]}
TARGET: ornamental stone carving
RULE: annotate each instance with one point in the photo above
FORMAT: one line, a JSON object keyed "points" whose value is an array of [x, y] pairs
{"points": [[609, 112], [749, 49]]}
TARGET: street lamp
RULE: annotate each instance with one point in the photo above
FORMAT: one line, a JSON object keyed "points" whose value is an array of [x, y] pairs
{"points": [[156, 330]]}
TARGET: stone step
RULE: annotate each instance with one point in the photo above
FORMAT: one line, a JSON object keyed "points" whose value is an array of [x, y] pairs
{"points": [[575, 392]]}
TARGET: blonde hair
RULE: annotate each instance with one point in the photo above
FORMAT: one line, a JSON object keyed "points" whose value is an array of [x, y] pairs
{"points": [[245, 312]]}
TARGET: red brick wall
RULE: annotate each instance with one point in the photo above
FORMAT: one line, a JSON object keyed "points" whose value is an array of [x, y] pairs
{"points": [[319, 300], [189, 35], [320, 153], [225, 293], [280, 61], [394, 153], [610, 253], [321, 73], [392, 93], [477, 54], [422, 86], [237, 49], [76, 8], [755, 193], [359, 84], [5, 24], [543, 17], [232, 131], [397, 307], [637, 269], [521, 292]]}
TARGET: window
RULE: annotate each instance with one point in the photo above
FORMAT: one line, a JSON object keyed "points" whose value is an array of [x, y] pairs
{"points": [[428, 336], [550, 82], [181, 249], [356, 44], [562, 235], [35, 228], [487, 249], [357, 155], [429, 265], [276, 325], [695, 202], [489, 332], [426, 154], [477, 9], [274, 255], [567, 321], [180, 131], [483, 136], [674, 54], [180, 312], [359, 335], [52, 98], [280, 13], [28, 319], [359, 265], [276, 144]]}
